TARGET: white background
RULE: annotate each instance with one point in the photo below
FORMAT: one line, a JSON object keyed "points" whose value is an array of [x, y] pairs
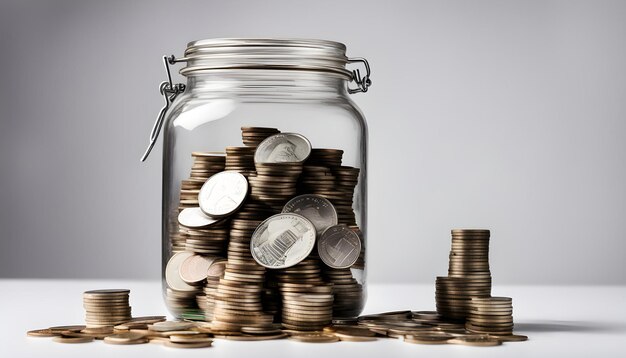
{"points": [[508, 115]]}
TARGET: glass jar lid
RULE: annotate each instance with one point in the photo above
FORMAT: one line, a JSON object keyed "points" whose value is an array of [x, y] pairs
{"points": [[266, 53]]}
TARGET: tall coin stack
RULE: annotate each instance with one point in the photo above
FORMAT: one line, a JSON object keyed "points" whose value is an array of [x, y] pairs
{"points": [[491, 315], [238, 301], [324, 175], [468, 274], [105, 308], [205, 164], [275, 183], [307, 302]]}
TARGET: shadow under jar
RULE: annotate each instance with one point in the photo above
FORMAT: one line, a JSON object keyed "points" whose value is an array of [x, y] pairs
{"points": [[240, 92]]}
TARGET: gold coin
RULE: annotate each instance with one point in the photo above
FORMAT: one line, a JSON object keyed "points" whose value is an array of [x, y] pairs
{"points": [[46, 332], [478, 341], [198, 338], [169, 343], [428, 339], [62, 339], [314, 338], [510, 337]]}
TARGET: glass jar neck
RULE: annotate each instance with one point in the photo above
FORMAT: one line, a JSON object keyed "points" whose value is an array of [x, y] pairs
{"points": [[268, 84]]}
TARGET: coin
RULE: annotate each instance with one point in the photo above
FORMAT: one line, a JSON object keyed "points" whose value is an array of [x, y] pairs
{"points": [[195, 268], [283, 147], [172, 272], [168, 326], [46, 332], [63, 339], [317, 209], [126, 338], [339, 247], [314, 338], [223, 193], [205, 344], [195, 218], [282, 240], [479, 341], [428, 339]]}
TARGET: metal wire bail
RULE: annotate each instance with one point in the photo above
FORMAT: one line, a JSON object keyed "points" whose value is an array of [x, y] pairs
{"points": [[364, 82], [169, 91]]}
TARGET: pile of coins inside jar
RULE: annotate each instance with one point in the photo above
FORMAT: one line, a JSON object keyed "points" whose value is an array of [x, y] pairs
{"points": [[267, 234]]}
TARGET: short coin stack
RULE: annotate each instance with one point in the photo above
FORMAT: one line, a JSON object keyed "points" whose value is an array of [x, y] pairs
{"points": [[253, 136], [468, 273], [240, 159], [491, 315], [106, 307]]}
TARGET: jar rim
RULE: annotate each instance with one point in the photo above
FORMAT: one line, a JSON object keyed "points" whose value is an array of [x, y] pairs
{"points": [[266, 53]]}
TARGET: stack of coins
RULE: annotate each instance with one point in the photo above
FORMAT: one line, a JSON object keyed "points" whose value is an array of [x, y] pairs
{"points": [[453, 296], [180, 295], [349, 297], [210, 240], [316, 178], [275, 183], [205, 164], [307, 302], [215, 273], [491, 315], [240, 159], [325, 157], [238, 297], [468, 273], [104, 308], [253, 136]]}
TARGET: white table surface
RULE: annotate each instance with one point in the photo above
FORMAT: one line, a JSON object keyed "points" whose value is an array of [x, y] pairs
{"points": [[561, 321]]}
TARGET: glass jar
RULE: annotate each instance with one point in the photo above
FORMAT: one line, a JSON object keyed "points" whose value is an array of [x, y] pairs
{"points": [[239, 92]]}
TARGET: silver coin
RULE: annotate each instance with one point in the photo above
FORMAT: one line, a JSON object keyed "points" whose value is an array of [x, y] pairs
{"points": [[283, 148], [320, 212], [223, 193], [339, 247], [172, 272], [195, 218], [282, 240]]}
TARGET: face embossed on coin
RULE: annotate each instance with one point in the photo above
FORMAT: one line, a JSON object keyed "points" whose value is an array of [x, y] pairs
{"points": [[282, 240], [223, 193], [339, 247], [283, 148], [320, 212]]}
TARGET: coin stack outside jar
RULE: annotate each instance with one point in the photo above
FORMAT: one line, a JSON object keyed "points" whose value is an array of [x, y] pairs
{"points": [[270, 239]]}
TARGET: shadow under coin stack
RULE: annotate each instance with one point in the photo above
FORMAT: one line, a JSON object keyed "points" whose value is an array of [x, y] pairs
{"points": [[491, 315], [104, 308], [468, 274]]}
